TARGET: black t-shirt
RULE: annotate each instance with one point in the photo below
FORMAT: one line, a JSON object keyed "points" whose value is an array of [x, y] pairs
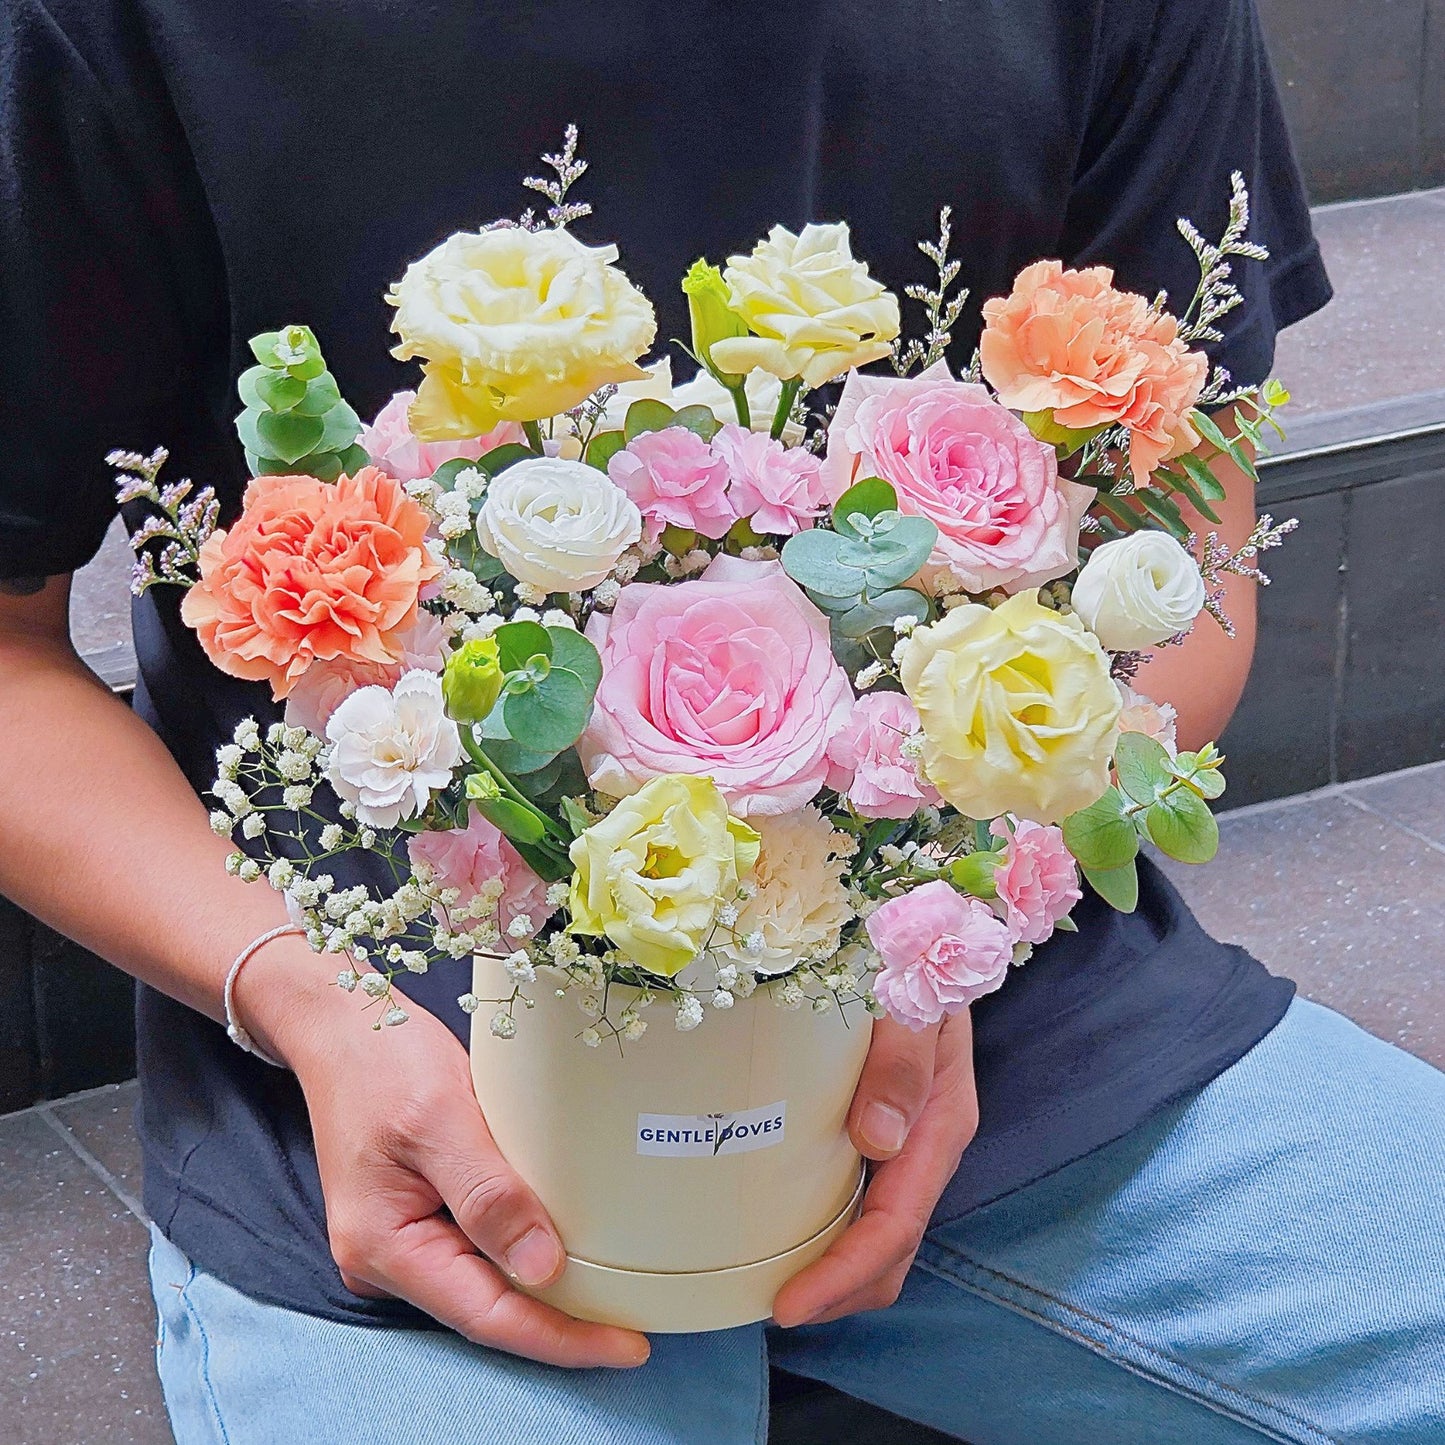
{"points": [[176, 175]]}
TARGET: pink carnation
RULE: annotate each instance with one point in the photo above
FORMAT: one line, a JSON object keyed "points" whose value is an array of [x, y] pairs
{"points": [[778, 489], [869, 762], [940, 951], [730, 676], [1037, 881], [673, 477], [466, 858], [324, 686], [389, 442], [953, 454]]}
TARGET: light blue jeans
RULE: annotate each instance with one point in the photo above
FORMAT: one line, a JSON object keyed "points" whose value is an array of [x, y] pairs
{"points": [[1265, 1261]]}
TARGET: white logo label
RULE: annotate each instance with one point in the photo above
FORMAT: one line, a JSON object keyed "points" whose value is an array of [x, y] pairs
{"points": [[705, 1135]]}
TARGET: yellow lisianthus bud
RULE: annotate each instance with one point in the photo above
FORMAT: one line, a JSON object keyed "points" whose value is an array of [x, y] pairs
{"points": [[472, 680], [1018, 710], [653, 873], [709, 305]]}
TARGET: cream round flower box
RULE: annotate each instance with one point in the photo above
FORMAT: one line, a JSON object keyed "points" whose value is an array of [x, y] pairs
{"points": [[689, 1174]]}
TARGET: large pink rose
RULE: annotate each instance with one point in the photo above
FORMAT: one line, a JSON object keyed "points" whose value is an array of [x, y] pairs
{"points": [[1005, 517], [390, 444], [730, 677], [940, 952], [1037, 880], [869, 765], [466, 858]]}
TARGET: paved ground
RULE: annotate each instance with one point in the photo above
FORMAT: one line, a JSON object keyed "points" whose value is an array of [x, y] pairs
{"points": [[1342, 890]]}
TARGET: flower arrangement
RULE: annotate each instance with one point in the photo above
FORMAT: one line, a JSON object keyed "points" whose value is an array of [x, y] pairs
{"points": [[666, 694]]}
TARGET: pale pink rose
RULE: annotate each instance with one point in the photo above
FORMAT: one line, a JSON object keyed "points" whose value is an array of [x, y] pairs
{"points": [[324, 686], [1037, 880], [868, 762], [730, 676], [1157, 720], [1005, 517], [466, 858], [389, 442], [673, 477], [777, 489], [940, 952]]}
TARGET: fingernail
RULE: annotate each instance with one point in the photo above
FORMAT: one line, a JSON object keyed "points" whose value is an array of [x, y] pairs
{"points": [[884, 1127], [534, 1258]]}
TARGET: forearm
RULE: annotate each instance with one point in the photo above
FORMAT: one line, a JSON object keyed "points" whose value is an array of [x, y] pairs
{"points": [[102, 837]]}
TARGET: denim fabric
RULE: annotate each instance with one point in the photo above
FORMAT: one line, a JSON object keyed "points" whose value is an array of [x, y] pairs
{"points": [[1261, 1262]]}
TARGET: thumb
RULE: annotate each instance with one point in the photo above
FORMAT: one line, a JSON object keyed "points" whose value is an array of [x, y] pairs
{"points": [[895, 1084]]}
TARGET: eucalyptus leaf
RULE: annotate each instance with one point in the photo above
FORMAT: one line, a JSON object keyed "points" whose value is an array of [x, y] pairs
{"points": [[446, 475], [602, 448], [867, 499], [881, 612], [1102, 836], [513, 758], [552, 714], [699, 420], [1118, 887], [500, 458], [519, 642], [282, 437], [319, 395], [340, 427], [646, 414], [811, 559], [278, 390], [1143, 766], [1181, 825], [574, 652]]}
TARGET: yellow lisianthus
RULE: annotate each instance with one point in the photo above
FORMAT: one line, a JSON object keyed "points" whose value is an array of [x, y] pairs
{"points": [[813, 309], [515, 325], [653, 873], [1018, 710]]}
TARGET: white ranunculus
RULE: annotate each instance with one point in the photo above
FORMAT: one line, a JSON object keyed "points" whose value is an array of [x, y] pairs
{"points": [[556, 524], [391, 749], [814, 310], [515, 325], [1138, 590]]}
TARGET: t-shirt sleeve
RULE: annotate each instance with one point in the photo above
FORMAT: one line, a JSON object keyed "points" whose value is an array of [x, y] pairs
{"points": [[111, 311], [1184, 95]]}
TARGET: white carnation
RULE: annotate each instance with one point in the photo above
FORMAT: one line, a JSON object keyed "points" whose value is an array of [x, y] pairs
{"points": [[556, 524], [391, 750], [1138, 590]]}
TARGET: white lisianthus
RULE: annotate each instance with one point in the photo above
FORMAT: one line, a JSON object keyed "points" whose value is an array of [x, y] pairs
{"points": [[556, 524], [1138, 590], [801, 903], [814, 310], [515, 325], [391, 750]]}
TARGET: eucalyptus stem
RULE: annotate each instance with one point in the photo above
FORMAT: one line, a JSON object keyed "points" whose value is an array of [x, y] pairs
{"points": [[478, 756]]}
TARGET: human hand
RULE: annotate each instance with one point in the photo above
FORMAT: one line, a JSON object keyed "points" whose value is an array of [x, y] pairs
{"points": [[914, 1111], [420, 1203]]}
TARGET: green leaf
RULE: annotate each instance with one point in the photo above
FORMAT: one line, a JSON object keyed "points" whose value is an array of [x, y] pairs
{"points": [[881, 611], [340, 427], [572, 651], [644, 415], [263, 347], [518, 643], [1115, 511], [1202, 477], [513, 758], [1118, 887], [319, 395], [863, 499], [1165, 510], [899, 547], [1200, 771], [552, 714], [699, 420], [974, 873], [575, 817], [446, 475], [1067, 440], [1143, 766], [811, 559], [1182, 826], [282, 437], [603, 447], [324, 466], [1102, 836], [278, 390], [1209, 430], [246, 386], [500, 458]]}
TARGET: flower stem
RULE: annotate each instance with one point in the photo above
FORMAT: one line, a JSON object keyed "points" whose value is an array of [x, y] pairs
{"points": [[786, 397], [475, 752], [534, 437], [739, 395]]}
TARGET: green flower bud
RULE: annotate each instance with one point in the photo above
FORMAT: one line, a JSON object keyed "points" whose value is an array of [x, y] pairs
{"points": [[709, 304], [472, 680]]}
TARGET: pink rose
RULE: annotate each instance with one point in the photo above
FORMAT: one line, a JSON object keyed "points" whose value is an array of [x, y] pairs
{"points": [[1005, 517], [466, 858], [673, 477], [324, 686], [778, 489], [940, 951], [392, 447], [869, 763], [1037, 881], [730, 676]]}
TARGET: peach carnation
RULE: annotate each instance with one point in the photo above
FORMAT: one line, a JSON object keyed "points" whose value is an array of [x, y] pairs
{"points": [[311, 572], [1070, 343]]}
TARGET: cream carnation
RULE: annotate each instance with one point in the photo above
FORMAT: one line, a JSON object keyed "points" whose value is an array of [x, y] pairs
{"points": [[815, 311], [801, 903], [515, 325], [391, 750], [556, 524], [1138, 590]]}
